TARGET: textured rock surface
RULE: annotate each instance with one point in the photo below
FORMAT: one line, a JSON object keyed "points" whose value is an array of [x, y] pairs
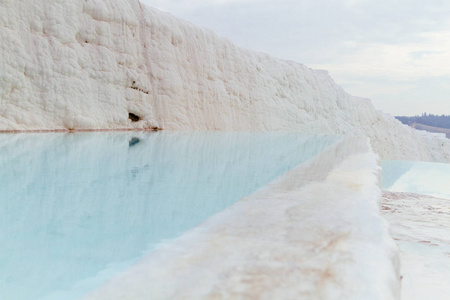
{"points": [[88, 64], [420, 225]]}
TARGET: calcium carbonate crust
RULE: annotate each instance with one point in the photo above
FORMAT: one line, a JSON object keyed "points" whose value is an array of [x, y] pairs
{"points": [[117, 64]]}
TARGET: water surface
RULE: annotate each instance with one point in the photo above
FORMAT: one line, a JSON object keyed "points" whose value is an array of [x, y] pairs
{"points": [[425, 178], [75, 209]]}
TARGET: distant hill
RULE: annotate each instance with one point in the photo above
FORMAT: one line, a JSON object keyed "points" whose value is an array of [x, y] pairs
{"points": [[442, 121]]}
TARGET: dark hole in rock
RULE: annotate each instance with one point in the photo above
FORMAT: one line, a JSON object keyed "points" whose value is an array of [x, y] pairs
{"points": [[133, 141], [133, 117]]}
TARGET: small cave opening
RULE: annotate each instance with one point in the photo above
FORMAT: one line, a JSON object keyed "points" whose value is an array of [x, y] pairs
{"points": [[133, 117]]}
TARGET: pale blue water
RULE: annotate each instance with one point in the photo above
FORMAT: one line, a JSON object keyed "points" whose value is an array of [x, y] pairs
{"points": [[425, 178], [75, 209]]}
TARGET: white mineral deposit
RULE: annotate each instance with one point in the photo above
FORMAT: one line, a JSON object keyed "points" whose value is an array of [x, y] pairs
{"points": [[118, 64]]}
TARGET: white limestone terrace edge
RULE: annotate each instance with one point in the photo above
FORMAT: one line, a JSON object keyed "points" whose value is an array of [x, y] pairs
{"points": [[316, 232], [419, 225], [88, 64]]}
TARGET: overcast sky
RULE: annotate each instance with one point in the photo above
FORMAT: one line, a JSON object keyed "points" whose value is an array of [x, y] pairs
{"points": [[397, 53]]}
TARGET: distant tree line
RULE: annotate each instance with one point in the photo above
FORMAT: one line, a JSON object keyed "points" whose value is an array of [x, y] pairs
{"points": [[442, 121]]}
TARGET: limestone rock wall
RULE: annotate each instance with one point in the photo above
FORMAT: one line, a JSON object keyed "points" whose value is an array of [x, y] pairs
{"points": [[89, 64]]}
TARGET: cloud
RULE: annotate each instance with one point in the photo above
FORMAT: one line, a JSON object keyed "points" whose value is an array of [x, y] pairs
{"points": [[401, 62]]}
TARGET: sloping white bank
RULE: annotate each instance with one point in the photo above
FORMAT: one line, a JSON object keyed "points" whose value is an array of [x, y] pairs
{"points": [[420, 227], [314, 233], [88, 64]]}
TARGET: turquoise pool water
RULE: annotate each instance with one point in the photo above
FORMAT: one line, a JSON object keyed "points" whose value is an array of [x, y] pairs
{"points": [[77, 208], [425, 178]]}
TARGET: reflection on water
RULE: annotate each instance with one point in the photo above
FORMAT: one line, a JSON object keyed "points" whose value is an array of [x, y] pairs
{"points": [[76, 208], [417, 177], [133, 141]]}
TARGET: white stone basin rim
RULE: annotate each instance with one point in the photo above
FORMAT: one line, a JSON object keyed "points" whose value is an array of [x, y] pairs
{"points": [[314, 233]]}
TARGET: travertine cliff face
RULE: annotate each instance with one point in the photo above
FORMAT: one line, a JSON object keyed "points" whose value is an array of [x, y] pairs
{"points": [[116, 64]]}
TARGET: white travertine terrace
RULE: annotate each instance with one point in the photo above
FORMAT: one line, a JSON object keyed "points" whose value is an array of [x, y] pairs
{"points": [[420, 225], [87, 64], [314, 233]]}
